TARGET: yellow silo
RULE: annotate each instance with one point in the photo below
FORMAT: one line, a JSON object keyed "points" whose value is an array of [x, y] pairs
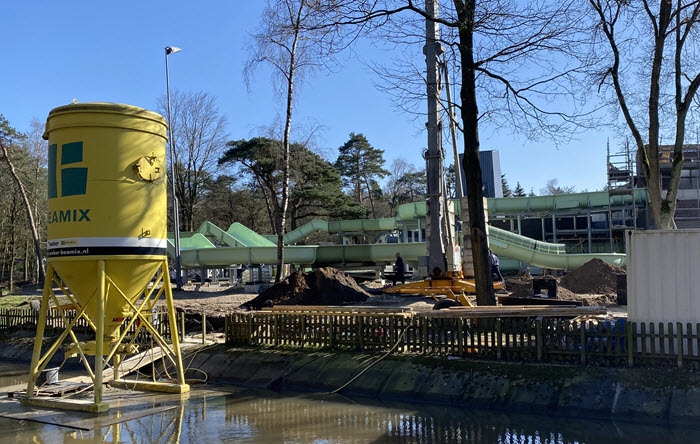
{"points": [[106, 233]]}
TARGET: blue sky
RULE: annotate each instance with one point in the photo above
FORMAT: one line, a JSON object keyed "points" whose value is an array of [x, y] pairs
{"points": [[55, 52]]}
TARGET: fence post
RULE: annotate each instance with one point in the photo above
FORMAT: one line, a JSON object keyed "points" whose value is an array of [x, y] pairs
{"points": [[424, 330], [204, 328], [582, 335], [182, 325], [679, 346], [360, 330], [302, 325], [332, 332], [499, 338], [630, 329], [251, 328], [538, 338], [227, 324], [460, 337]]}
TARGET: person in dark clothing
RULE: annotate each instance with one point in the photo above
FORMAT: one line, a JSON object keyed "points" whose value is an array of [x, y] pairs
{"points": [[399, 270], [495, 266]]}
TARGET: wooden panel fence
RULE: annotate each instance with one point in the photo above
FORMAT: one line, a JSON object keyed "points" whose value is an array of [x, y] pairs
{"points": [[21, 319], [556, 339], [545, 339]]}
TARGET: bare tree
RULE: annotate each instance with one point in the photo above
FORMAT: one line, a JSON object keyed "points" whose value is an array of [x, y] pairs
{"points": [[552, 188], [512, 60], [650, 65], [294, 42], [406, 183], [8, 137], [199, 139]]}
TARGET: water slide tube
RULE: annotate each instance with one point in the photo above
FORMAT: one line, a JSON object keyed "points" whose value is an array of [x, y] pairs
{"points": [[386, 224], [240, 245], [543, 254], [522, 205]]}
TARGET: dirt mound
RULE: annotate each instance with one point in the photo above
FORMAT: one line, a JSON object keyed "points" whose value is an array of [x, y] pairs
{"points": [[519, 286], [325, 286], [594, 277]]}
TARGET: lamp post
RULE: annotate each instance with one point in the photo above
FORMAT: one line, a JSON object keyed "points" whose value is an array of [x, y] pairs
{"points": [[176, 210]]}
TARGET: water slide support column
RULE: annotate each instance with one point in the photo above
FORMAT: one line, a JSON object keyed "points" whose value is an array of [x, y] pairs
{"points": [[589, 231]]}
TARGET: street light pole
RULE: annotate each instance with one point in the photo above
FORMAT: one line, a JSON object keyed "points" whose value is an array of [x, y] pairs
{"points": [[176, 209]]}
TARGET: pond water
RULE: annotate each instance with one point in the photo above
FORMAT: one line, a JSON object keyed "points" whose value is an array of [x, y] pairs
{"points": [[243, 415]]}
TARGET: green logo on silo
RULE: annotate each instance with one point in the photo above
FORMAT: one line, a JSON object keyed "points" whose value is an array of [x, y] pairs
{"points": [[73, 179]]}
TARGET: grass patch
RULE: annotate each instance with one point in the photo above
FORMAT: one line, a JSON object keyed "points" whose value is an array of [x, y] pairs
{"points": [[19, 300], [13, 301]]}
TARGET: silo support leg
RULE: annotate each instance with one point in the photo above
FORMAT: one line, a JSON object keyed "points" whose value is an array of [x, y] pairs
{"points": [[173, 328], [43, 314], [99, 332]]}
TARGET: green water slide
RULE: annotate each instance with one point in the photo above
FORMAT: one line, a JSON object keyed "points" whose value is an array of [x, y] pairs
{"points": [[548, 255], [543, 254], [521, 205], [384, 225], [211, 246]]}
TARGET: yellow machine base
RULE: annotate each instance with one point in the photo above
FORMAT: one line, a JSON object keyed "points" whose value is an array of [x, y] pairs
{"points": [[438, 286]]}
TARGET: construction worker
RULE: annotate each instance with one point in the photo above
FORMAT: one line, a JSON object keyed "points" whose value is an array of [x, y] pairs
{"points": [[495, 266], [399, 274]]}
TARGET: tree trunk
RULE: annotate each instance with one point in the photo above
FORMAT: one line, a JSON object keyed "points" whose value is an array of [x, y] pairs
{"points": [[27, 273], [286, 148], [371, 198], [30, 214], [472, 168]]}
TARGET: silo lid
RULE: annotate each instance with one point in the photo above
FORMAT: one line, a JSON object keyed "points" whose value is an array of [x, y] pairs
{"points": [[103, 108], [120, 108]]}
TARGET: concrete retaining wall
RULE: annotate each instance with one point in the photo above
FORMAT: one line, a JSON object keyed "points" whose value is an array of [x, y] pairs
{"points": [[638, 394], [628, 394]]}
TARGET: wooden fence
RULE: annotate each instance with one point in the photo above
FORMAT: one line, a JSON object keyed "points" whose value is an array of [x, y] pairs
{"points": [[21, 319], [545, 339], [555, 339]]}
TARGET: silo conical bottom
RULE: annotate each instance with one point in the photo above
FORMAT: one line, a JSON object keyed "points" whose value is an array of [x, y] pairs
{"points": [[129, 275]]}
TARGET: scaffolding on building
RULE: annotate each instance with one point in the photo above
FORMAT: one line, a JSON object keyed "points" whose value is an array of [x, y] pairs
{"points": [[621, 182], [688, 199]]}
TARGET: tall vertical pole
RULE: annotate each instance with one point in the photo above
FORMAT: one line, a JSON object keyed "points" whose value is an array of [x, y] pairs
{"points": [[176, 208], [459, 188], [434, 157]]}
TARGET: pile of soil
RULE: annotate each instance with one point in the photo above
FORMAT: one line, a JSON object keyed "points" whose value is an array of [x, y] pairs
{"points": [[594, 277], [324, 286], [595, 283], [524, 291]]}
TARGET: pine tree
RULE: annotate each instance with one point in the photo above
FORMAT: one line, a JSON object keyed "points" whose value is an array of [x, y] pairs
{"points": [[506, 188], [360, 164], [519, 191]]}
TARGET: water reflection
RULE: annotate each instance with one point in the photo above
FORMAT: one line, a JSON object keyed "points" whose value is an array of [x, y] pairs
{"points": [[334, 419], [256, 416]]}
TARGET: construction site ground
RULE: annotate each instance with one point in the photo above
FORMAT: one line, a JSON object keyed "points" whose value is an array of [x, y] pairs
{"points": [[594, 284], [221, 299]]}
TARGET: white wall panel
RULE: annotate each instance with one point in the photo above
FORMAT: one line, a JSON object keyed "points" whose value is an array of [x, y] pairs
{"points": [[663, 276]]}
